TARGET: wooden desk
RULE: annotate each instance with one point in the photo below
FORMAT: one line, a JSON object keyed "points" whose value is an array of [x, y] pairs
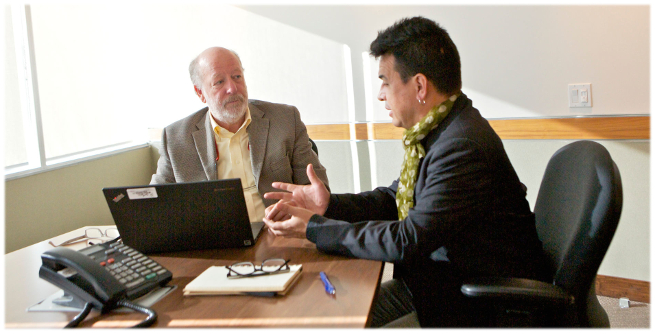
{"points": [[306, 305]]}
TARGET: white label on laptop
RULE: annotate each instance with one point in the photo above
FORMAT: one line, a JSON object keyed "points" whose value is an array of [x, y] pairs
{"points": [[142, 193]]}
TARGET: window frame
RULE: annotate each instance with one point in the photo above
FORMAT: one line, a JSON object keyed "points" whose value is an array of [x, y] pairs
{"points": [[31, 110]]}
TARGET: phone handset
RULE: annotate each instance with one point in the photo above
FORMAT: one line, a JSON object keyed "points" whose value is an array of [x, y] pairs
{"points": [[82, 277], [103, 276]]}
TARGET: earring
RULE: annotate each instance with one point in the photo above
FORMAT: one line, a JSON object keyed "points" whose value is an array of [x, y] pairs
{"points": [[420, 101]]}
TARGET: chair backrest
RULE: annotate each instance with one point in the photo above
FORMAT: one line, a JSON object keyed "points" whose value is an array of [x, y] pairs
{"points": [[314, 147], [577, 212]]}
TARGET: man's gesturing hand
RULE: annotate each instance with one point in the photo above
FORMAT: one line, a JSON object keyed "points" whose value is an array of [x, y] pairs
{"points": [[314, 197], [295, 223]]}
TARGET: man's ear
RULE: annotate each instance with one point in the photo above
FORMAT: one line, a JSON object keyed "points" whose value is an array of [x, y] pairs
{"points": [[200, 95], [421, 84]]}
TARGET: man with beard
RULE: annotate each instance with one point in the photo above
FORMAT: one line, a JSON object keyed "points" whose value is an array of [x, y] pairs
{"points": [[233, 137]]}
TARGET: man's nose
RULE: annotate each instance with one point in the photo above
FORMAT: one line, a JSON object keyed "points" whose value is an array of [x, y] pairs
{"points": [[230, 86], [381, 95]]}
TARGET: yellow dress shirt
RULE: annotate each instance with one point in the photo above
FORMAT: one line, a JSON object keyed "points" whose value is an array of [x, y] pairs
{"points": [[234, 162]]}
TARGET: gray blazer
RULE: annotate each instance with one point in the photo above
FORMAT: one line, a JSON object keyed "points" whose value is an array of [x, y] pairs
{"points": [[279, 148]]}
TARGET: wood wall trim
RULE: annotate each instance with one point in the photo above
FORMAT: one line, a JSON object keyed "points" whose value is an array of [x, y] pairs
{"points": [[629, 127], [329, 132], [574, 128], [617, 287]]}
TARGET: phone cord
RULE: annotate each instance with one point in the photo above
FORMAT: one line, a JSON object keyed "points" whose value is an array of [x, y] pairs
{"points": [[78, 318], [152, 315]]}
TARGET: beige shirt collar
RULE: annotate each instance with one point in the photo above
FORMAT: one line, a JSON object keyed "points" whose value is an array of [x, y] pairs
{"points": [[224, 133]]}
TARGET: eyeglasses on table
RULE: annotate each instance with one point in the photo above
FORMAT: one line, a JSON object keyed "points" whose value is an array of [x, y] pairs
{"points": [[94, 236], [267, 267]]}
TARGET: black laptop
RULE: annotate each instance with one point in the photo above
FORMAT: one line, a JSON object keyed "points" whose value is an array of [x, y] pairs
{"points": [[182, 216]]}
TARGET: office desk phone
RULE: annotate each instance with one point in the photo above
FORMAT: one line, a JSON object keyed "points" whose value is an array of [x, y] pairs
{"points": [[102, 274], [305, 306]]}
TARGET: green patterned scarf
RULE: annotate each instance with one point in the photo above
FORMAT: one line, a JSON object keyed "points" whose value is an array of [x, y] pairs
{"points": [[414, 151]]}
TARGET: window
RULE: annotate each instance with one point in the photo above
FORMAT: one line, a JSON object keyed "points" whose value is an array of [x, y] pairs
{"points": [[15, 146], [97, 80]]}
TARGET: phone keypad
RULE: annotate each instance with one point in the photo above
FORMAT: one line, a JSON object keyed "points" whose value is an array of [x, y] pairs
{"points": [[131, 268]]}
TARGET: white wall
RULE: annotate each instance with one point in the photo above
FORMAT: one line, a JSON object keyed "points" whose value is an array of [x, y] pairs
{"points": [[517, 61]]}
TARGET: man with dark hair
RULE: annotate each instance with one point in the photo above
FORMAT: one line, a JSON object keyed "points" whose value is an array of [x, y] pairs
{"points": [[418, 55], [458, 209], [256, 141]]}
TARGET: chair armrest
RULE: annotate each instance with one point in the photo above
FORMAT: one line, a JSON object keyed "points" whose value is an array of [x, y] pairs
{"points": [[515, 289]]}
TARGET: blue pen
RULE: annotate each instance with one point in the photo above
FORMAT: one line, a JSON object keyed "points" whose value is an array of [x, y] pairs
{"points": [[328, 286]]}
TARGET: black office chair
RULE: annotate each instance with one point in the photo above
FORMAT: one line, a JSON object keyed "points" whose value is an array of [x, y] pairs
{"points": [[577, 212], [314, 147]]}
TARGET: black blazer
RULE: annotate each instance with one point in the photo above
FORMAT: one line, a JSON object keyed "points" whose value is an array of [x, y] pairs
{"points": [[470, 218]]}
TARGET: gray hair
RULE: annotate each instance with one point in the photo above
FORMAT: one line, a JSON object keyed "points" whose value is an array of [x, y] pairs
{"points": [[194, 70]]}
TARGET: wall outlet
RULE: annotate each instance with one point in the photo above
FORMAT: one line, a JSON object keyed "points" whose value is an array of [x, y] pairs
{"points": [[579, 95]]}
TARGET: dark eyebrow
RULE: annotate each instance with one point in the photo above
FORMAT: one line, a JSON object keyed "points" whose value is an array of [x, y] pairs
{"points": [[381, 76]]}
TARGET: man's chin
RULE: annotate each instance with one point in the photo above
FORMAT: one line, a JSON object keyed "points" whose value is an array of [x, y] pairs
{"points": [[238, 109], [235, 107], [229, 115]]}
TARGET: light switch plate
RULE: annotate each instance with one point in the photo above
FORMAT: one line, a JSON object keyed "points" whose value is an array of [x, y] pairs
{"points": [[579, 95]]}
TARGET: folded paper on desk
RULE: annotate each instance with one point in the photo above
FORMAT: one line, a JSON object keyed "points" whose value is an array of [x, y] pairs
{"points": [[51, 303], [214, 281]]}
